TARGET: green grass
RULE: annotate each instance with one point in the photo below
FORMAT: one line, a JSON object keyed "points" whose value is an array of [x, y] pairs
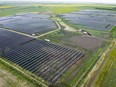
{"points": [[57, 36], [107, 77], [20, 71], [54, 8], [14, 75], [86, 65], [22, 9], [6, 6], [66, 8], [93, 32], [113, 32], [62, 37]]}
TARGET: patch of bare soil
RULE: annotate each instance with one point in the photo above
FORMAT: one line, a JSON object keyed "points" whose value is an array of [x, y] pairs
{"points": [[87, 42]]}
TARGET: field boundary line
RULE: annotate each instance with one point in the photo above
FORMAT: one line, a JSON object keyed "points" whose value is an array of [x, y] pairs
{"points": [[42, 84]]}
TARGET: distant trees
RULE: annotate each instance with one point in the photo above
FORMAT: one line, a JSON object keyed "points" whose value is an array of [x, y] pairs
{"points": [[113, 9]]}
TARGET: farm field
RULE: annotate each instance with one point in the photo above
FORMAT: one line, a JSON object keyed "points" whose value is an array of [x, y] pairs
{"points": [[20, 9], [49, 8], [67, 8], [79, 35], [107, 76], [4, 7], [10, 78]]}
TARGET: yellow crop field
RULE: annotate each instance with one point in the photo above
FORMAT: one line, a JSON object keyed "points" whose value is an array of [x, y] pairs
{"points": [[6, 7]]}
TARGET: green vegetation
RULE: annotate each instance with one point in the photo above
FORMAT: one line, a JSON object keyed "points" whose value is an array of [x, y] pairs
{"points": [[62, 37], [18, 9], [14, 78], [94, 32], [57, 36], [85, 67], [111, 9], [19, 71], [66, 8], [12, 9], [107, 77], [7, 6], [113, 32]]}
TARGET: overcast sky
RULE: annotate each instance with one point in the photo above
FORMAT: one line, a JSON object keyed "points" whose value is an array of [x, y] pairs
{"points": [[98, 1]]}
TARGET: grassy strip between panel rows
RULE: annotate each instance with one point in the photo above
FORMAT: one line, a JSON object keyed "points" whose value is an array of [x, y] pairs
{"points": [[26, 74]]}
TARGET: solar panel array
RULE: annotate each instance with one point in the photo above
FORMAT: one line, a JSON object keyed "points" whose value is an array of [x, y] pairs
{"points": [[95, 19], [29, 23], [10, 40], [44, 59]]}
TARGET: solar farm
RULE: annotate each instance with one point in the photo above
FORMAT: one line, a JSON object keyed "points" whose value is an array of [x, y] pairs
{"points": [[53, 45], [8, 38], [28, 23], [44, 59], [94, 19]]}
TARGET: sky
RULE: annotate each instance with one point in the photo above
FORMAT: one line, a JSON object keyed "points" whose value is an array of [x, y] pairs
{"points": [[95, 1]]}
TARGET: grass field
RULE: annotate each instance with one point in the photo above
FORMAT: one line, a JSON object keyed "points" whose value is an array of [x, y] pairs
{"points": [[113, 32], [3, 7], [61, 37], [107, 77], [12, 78], [66, 8], [54, 8], [22, 9]]}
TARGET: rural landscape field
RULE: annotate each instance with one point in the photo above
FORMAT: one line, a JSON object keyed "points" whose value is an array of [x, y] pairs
{"points": [[57, 44]]}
